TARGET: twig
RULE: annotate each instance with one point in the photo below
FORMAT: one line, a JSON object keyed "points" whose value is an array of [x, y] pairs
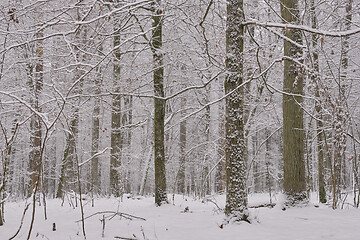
{"points": [[125, 238], [219, 208], [125, 215]]}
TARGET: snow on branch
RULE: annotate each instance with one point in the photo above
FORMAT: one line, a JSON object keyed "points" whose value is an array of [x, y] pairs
{"points": [[304, 28], [93, 156]]}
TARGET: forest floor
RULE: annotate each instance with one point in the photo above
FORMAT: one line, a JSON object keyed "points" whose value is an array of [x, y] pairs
{"points": [[185, 218]]}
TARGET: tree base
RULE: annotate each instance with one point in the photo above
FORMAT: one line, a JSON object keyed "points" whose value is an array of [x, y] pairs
{"points": [[238, 217], [296, 200]]}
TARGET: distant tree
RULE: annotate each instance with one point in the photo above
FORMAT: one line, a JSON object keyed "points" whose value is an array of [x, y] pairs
{"points": [[116, 138], [95, 136], [69, 158], [182, 159]]}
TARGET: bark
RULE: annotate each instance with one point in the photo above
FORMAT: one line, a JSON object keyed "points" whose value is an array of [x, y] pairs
{"points": [[345, 48], [36, 84], [340, 116], [146, 171], [95, 139], [256, 164], [127, 134], [235, 148], [293, 123], [319, 123], [182, 163], [268, 164], [68, 165], [116, 141], [67, 172], [159, 104]]}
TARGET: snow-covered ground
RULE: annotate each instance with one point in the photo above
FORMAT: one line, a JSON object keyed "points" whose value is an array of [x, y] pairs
{"points": [[200, 220]]}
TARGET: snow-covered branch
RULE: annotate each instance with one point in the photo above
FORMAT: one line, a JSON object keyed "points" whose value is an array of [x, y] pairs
{"points": [[305, 28]]}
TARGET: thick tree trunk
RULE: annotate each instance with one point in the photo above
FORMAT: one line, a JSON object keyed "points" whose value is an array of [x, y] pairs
{"points": [[293, 124], [159, 104], [235, 148]]}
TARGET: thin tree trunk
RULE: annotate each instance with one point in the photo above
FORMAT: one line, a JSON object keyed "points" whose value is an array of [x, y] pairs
{"points": [[67, 172], [345, 48], [95, 138], [182, 163], [146, 171], [340, 117], [36, 85], [319, 123], [116, 141], [127, 134], [68, 166], [159, 104]]}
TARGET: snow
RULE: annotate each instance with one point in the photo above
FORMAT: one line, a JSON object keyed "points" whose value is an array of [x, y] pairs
{"points": [[173, 222]]}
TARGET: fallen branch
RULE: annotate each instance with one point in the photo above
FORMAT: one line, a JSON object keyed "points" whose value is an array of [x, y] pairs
{"points": [[217, 206], [125, 238], [113, 214], [268, 205]]}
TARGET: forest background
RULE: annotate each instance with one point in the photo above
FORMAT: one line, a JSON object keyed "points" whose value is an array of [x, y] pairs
{"points": [[104, 98]]}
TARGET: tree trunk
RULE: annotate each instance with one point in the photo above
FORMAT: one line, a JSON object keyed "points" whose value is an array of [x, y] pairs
{"points": [[293, 124], [68, 168], [36, 85], [116, 141], [182, 163], [159, 104], [95, 138], [127, 134], [235, 148], [319, 123]]}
